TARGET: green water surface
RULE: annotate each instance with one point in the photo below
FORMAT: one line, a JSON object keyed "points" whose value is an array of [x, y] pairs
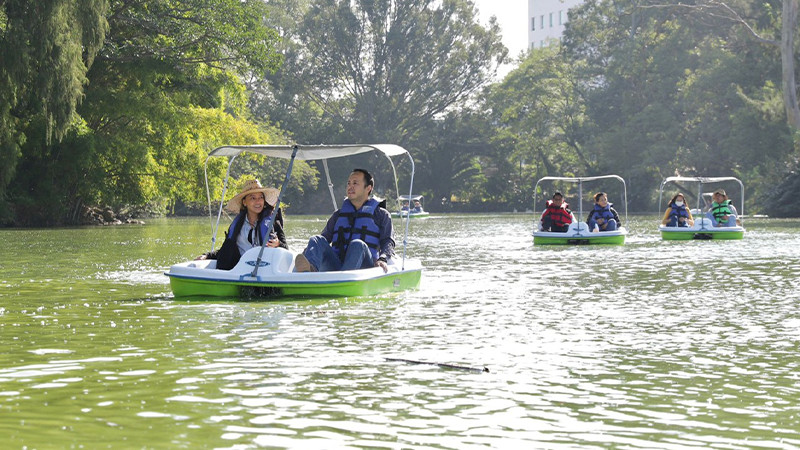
{"points": [[648, 345]]}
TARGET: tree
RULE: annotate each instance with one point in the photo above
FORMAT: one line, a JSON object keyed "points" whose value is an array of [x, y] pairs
{"points": [[46, 48], [666, 96], [539, 115], [164, 89], [381, 71]]}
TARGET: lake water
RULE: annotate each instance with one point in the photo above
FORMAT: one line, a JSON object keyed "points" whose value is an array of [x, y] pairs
{"points": [[648, 345]]}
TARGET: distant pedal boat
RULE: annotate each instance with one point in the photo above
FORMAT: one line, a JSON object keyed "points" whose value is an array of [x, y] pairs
{"points": [[703, 228], [410, 213], [578, 232]]}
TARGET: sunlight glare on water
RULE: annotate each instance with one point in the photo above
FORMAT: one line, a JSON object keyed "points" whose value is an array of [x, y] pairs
{"points": [[648, 345]]}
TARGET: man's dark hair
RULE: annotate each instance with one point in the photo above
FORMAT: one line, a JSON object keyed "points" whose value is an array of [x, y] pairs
{"points": [[367, 177], [558, 194]]}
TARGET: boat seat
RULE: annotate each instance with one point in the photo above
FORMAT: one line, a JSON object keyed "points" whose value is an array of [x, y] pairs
{"points": [[702, 222], [273, 260], [576, 227]]}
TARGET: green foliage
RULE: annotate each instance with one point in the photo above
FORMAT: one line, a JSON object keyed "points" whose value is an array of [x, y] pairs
{"points": [[46, 47], [539, 114], [675, 91], [165, 88], [380, 71]]}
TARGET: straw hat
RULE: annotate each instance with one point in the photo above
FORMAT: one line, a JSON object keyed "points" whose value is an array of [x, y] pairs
{"points": [[251, 186]]}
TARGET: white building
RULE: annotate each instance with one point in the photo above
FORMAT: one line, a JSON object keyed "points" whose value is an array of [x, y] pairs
{"points": [[546, 19]]}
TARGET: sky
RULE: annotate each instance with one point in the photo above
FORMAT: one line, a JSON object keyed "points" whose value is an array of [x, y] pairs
{"points": [[512, 15]]}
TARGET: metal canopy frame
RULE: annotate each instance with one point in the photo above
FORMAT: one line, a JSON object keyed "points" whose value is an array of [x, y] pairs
{"points": [[580, 181], [700, 182], [305, 153]]}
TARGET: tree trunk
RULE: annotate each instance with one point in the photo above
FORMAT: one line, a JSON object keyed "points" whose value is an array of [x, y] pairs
{"points": [[788, 26]]}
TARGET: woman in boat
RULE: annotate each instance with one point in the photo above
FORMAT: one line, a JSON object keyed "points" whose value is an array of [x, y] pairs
{"points": [[603, 217], [254, 205], [417, 207], [722, 212], [357, 236], [677, 214], [556, 216]]}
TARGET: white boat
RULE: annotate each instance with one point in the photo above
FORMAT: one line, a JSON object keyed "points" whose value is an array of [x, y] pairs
{"points": [[410, 212], [578, 232], [271, 270], [703, 227]]}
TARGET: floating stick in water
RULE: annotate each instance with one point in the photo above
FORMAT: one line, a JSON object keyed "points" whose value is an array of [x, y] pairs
{"points": [[445, 366]]}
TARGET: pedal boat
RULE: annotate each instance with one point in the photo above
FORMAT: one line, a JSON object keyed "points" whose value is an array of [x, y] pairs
{"points": [[578, 232], [268, 271], [703, 228], [410, 213], [275, 277]]}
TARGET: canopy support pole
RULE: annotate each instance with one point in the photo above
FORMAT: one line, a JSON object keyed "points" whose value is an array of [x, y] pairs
{"points": [[274, 213]]}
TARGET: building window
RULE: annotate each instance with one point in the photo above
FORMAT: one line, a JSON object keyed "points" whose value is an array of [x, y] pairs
{"points": [[560, 14], [533, 23], [541, 22], [551, 20]]}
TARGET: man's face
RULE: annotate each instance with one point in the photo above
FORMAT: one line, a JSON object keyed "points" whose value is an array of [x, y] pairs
{"points": [[558, 200], [357, 189]]}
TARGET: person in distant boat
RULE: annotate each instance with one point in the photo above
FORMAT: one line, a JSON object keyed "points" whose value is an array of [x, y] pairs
{"points": [[603, 217], [556, 216], [417, 207], [405, 206], [357, 236], [254, 205], [722, 212], [677, 214]]}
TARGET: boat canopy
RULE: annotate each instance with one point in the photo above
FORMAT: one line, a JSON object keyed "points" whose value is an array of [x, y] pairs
{"points": [[309, 152]]}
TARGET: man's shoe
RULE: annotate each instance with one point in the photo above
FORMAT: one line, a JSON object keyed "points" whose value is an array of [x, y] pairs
{"points": [[301, 264]]}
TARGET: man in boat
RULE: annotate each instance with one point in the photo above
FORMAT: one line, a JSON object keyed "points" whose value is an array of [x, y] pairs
{"points": [[357, 236], [417, 207], [722, 212], [556, 216]]}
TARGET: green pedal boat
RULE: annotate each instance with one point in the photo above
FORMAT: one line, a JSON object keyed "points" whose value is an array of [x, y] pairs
{"points": [[578, 232], [703, 227], [266, 271]]}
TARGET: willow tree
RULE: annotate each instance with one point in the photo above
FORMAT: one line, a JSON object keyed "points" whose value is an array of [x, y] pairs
{"points": [[164, 87], [46, 48]]}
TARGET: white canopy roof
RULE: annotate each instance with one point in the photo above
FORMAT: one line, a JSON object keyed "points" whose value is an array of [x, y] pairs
{"points": [[581, 179], [309, 152], [701, 179]]}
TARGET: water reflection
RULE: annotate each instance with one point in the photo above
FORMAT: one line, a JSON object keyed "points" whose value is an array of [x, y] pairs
{"points": [[653, 344]]}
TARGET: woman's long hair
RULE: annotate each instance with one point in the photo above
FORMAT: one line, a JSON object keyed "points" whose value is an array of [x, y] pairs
{"points": [[672, 202]]}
